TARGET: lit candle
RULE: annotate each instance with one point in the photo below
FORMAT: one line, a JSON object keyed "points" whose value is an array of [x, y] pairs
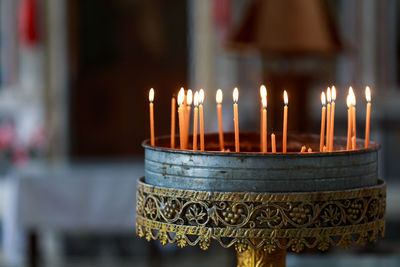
{"points": [[328, 117], [236, 118], [332, 127], [273, 143], [323, 113], [173, 110], [353, 117], [151, 99], [195, 119], [368, 115], [263, 92], [218, 99], [181, 97], [349, 101], [201, 101], [189, 100], [264, 124], [285, 115]]}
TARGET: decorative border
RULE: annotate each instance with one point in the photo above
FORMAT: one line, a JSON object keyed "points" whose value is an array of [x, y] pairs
{"points": [[268, 220]]}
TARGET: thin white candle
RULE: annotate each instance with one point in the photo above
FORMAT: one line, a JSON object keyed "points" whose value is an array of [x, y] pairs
{"points": [[368, 115], [236, 118], [285, 118], [151, 99], [218, 98]]}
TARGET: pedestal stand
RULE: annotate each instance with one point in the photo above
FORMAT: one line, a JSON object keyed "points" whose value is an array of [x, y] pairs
{"points": [[260, 258]]}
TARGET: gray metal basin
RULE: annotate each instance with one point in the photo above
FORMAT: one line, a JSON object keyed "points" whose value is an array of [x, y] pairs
{"points": [[252, 171]]}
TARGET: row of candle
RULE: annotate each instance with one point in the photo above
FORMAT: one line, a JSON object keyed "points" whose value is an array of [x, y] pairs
{"points": [[185, 100]]}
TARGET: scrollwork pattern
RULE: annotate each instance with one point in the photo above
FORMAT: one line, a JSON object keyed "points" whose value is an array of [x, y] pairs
{"points": [[292, 220]]}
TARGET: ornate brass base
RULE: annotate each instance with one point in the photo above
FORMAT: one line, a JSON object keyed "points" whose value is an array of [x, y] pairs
{"points": [[260, 258], [261, 226]]}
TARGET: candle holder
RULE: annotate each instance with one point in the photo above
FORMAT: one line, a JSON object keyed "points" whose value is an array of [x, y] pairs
{"points": [[262, 204]]}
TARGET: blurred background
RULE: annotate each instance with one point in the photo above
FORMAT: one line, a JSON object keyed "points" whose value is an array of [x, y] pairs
{"points": [[74, 78]]}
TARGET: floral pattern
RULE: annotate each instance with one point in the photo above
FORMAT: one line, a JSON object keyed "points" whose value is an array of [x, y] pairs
{"points": [[303, 220]]}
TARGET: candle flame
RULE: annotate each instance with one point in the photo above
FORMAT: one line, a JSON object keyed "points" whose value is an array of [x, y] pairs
{"points": [[151, 95], [349, 100], [189, 97], [352, 95], [235, 95], [323, 98], [368, 94], [285, 98], [181, 96], [333, 93], [196, 99], [201, 97], [263, 91], [218, 96], [264, 101], [329, 95]]}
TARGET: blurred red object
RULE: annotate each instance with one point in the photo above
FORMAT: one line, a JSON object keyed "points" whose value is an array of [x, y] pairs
{"points": [[7, 135], [20, 156], [222, 15], [27, 22]]}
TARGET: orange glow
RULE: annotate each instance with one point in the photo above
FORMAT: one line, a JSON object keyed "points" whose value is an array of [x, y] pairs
{"points": [[349, 100], [235, 95], [263, 91], [323, 98], [189, 97], [201, 97], [181, 96], [218, 96], [151, 95], [328, 95], [368, 94], [333, 93], [264, 101], [285, 98], [352, 96], [196, 99]]}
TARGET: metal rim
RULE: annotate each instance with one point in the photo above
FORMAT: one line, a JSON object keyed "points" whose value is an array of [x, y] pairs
{"points": [[373, 147]]}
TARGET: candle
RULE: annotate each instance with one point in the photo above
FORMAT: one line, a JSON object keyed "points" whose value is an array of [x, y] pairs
{"points": [[328, 116], [273, 143], [173, 110], [332, 127], [189, 100], [181, 97], [353, 116], [218, 99], [303, 149], [285, 115], [151, 99], [195, 119], [201, 101], [264, 124], [349, 102], [263, 92], [236, 118], [368, 115], [309, 150], [322, 135], [353, 143]]}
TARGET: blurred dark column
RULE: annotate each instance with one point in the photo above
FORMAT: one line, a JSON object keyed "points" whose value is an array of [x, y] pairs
{"points": [[118, 51]]}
